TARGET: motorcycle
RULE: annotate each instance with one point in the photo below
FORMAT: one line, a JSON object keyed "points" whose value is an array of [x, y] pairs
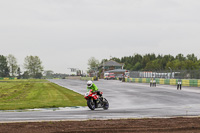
{"points": [[95, 101]]}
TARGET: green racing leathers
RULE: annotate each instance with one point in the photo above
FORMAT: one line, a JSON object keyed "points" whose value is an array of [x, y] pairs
{"points": [[93, 87]]}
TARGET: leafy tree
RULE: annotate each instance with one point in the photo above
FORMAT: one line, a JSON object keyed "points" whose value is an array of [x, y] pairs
{"points": [[152, 62], [188, 64], [175, 64], [48, 74], [25, 75], [19, 73], [136, 58], [103, 60], [12, 64], [93, 63], [116, 59], [192, 57], [137, 66], [154, 65], [166, 59], [180, 57], [4, 69], [144, 61], [38, 76], [33, 66]]}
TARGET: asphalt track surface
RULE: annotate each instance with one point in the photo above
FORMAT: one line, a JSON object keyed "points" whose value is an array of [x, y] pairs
{"points": [[127, 100]]}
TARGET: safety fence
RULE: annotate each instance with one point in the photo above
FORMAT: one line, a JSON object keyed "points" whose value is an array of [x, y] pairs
{"points": [[166, 74], [185, 82]]}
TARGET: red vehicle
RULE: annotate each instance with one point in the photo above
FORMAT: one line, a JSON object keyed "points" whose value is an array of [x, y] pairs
{"points": [[109, 76], [94, 101]]}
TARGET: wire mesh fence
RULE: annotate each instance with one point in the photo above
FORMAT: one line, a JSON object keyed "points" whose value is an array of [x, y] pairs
{"points": [[171, 74]]}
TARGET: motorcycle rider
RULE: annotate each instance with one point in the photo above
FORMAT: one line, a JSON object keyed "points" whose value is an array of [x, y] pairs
{"points": [[91, 85]]}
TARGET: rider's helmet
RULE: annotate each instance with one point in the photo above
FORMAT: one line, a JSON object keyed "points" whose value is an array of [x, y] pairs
{"points": [[89, 83]]}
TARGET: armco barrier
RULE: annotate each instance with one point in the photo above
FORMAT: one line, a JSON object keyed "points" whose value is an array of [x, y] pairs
{"points": [[173, 81], [157, 81], [167, 81], [144, 80], [185, 82], [147, 80], [198, 83], [161, 81], [194, 83]]}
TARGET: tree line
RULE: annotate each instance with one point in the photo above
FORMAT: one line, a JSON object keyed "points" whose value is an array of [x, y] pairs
{"points": [[10, 68], [152, 62]]}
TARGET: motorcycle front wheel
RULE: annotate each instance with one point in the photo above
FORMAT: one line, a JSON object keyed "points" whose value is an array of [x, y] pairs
{"points": [[91, 104]]}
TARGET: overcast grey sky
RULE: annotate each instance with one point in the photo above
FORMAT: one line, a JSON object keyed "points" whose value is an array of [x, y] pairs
{"points": [[66, 33]]}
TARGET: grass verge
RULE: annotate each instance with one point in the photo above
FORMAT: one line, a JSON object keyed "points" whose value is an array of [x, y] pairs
{"points": [[28, 94]]}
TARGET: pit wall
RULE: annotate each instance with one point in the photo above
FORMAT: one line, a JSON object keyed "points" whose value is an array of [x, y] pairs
{"points": [[185, 82]]}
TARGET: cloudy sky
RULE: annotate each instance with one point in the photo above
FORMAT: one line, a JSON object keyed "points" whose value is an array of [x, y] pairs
{"points": [[66, 33]]}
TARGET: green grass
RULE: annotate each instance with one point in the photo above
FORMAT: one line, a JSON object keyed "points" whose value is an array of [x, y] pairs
{"points": [[28, 94]]}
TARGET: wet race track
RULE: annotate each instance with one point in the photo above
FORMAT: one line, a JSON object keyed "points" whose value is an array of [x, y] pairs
{"points": [[127, 100]]}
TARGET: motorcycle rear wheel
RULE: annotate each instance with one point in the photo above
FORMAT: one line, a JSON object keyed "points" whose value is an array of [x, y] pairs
{"points": [[106, 104], [91, 104]]}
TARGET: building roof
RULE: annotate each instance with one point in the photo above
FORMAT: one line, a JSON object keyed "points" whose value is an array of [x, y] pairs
{"points": [[112, 63]]}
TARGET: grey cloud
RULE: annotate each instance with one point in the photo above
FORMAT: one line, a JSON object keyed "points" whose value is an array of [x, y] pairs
{"points": [[74, 30]]}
